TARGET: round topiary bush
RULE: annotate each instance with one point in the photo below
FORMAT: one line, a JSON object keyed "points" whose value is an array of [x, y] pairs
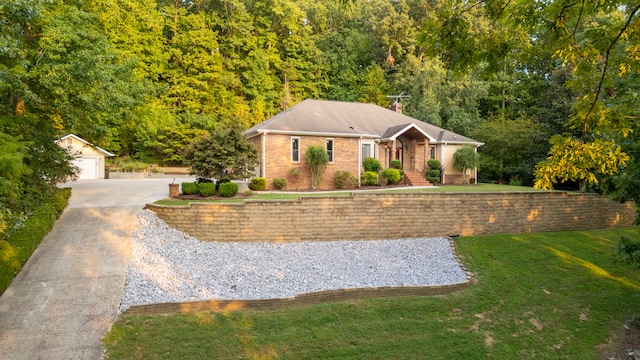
{"points": [[396, 164], [206, 188], [189, 188], [258, 184], [228, 189], [433, 164]]}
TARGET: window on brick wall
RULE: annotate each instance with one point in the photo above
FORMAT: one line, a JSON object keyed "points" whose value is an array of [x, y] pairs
{"points": [[432, 152], [366, 151], [329, 149], [295, 149]]}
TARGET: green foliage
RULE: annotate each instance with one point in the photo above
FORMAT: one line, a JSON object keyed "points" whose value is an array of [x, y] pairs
{"points": [[228, 189], [433, 172], [12, 168], [224, 155], [433, 164], [396, 164], [19, 245], [515, 182], [628, 251], [391, 175], [258, 184], [279, 183], [126, 164], [207, 188], [369, 178], [189, 188], [571, 159], [465, 158], [294, 174], [371, 164], [344, 180], [317, 159], [512, 148]]}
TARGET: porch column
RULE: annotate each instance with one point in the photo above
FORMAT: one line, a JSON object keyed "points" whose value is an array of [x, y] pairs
{"points": [[393, 151]]}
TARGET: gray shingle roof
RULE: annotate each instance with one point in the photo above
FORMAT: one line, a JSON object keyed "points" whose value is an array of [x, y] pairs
{"points": [[338, 118]]}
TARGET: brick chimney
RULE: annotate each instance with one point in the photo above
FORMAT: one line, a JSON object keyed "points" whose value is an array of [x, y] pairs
{"points": [[396, 106]]}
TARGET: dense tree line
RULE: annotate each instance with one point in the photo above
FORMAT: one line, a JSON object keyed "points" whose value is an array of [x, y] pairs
{"points": [[143, 78]]}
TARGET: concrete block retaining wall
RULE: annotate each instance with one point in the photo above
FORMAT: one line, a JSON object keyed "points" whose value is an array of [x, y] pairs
{"points": [[370, 216]]}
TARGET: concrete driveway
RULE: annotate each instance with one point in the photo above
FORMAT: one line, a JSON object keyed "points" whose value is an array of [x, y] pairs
{"points": [[66, 297]]}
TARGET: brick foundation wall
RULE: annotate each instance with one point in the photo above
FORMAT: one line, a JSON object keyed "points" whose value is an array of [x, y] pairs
{"points": [[373, 216]]}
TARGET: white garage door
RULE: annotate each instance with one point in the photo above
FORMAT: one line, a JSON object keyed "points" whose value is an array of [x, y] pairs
{"points": [[88, 167]]}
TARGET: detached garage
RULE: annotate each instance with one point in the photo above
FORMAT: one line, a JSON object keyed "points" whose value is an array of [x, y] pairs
{"points": [[89, 159]]}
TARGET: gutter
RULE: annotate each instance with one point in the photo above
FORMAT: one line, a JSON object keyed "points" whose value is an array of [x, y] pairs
{"points": [[312, 133], [263, 171]]}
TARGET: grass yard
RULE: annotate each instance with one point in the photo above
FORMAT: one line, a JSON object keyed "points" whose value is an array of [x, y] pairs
{"points": [[285, 195], [537, 296]]}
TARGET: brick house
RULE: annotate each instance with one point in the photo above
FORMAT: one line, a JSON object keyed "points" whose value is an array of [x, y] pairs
{"points": [[351, 132]]}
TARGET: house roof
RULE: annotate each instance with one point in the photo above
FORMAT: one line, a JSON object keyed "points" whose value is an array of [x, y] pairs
{"points": [[348, 119], [78, 138]]}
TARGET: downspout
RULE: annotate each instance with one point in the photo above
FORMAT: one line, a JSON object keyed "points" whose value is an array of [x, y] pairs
{"points": [[264, 155], [476, 169], [444, 176], [359, 158]]}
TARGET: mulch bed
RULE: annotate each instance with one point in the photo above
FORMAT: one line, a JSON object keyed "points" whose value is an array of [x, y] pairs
{"points": [[630, 342]]}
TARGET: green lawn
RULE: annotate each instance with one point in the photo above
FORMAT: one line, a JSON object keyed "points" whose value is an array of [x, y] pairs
{"points": [[284, 195], [537, 296]]}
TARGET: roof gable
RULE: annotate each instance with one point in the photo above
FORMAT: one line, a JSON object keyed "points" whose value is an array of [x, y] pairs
{"points": [[348, 119], [85, 142]]}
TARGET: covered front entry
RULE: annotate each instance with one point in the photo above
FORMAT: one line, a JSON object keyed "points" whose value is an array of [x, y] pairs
{"points": [[409, 144]]}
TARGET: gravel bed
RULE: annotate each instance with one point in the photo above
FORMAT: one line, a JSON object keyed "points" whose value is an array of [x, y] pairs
{"points": [[169, 266]]}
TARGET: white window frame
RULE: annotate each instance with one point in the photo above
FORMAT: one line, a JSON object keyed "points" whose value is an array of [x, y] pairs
{"points": [[331, 153], [372, 146], [433, 152], [293, 140]]}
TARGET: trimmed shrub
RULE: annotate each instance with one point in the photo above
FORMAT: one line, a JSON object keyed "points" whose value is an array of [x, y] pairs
{"points": [[207, 188], [19, 246], [228, 189], [369, 178], [391, 175], [344, 180], [433, 164], [189, 188], [396, 164], [371, 164], [258, 184], [279, 183], [433, 179], [433, 173]]}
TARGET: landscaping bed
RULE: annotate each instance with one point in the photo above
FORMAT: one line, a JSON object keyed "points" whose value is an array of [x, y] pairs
{"points": [[538, 296]]}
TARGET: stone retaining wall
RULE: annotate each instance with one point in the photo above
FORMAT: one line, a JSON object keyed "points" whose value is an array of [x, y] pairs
{"points": [[370, 216]]}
